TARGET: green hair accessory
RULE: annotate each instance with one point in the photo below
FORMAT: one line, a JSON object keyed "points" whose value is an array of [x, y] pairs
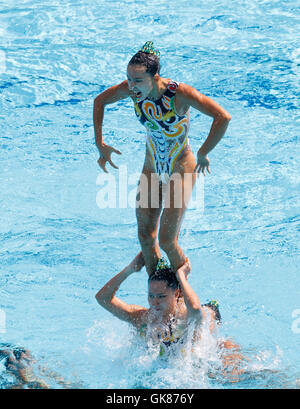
{"points": [[161, 264], [214, 303], [148, 48]]}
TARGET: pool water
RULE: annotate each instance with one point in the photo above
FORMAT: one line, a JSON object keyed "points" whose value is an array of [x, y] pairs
{"points": [[58, 247]]}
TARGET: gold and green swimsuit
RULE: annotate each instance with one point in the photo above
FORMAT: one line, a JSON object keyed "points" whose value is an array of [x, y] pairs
{"points": [[167, 132], [165, 336]]}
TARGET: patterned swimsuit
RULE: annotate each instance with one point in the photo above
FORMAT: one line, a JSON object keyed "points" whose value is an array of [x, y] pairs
{"points": [[167, 132], [166, 337]]}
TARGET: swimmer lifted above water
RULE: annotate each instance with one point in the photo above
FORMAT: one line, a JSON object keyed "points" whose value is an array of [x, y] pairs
{"points": [[162, 106]]}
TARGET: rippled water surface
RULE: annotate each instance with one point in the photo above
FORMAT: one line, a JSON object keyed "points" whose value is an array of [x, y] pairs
{"points": [[58, 247]]}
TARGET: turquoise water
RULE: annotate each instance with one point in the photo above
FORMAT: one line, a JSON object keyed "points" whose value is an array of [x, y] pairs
{"points": [[58, 247]]}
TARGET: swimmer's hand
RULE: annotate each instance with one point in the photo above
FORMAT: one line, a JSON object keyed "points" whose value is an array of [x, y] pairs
{"points": [[184, 269], [18, 360], [202, 163], [105, 156], [137, 263]]}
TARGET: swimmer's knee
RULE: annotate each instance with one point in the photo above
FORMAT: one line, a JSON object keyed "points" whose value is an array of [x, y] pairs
{"points": [[146, 236], [167, 243]]}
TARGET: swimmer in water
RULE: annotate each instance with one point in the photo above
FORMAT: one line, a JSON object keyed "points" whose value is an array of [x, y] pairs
{"points": [[162, 106], [172, 305], [18, 363], [165, 310]]}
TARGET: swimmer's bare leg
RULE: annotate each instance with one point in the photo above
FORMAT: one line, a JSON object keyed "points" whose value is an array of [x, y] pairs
{"points": [[178, 194], [148, 210]]}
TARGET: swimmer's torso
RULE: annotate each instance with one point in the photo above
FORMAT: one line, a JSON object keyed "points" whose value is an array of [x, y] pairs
{"points": [[167, 132], [165, 334]]}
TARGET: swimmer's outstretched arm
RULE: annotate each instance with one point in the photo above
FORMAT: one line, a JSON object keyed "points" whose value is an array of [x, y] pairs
{"points": [[191, 299], [120, 309], [109, 96]]}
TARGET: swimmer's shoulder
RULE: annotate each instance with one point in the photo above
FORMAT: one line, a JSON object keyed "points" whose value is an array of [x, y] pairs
{"points": [[229, 344], [113, 94], [185, 91], [123, 90], [123, 86], [139, 317], [184, 94]]}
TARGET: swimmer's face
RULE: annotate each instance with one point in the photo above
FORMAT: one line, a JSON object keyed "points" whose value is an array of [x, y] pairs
{"points": [[162, 299], [140, 82]]}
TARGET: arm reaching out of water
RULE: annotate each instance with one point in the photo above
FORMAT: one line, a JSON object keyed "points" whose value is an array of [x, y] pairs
{"points": [[191, 299], [120, 309]]}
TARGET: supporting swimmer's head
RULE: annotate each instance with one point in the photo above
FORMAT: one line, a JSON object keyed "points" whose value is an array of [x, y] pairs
{"points": [[148, 57], [165, 274], [163, 291]]}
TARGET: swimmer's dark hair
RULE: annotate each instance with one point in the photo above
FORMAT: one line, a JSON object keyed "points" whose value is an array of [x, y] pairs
{"points": [[165, 274], [150, 61]]}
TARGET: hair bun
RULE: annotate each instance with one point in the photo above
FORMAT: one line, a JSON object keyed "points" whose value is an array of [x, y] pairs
{"points": [[161, 264], [148, 48]]}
